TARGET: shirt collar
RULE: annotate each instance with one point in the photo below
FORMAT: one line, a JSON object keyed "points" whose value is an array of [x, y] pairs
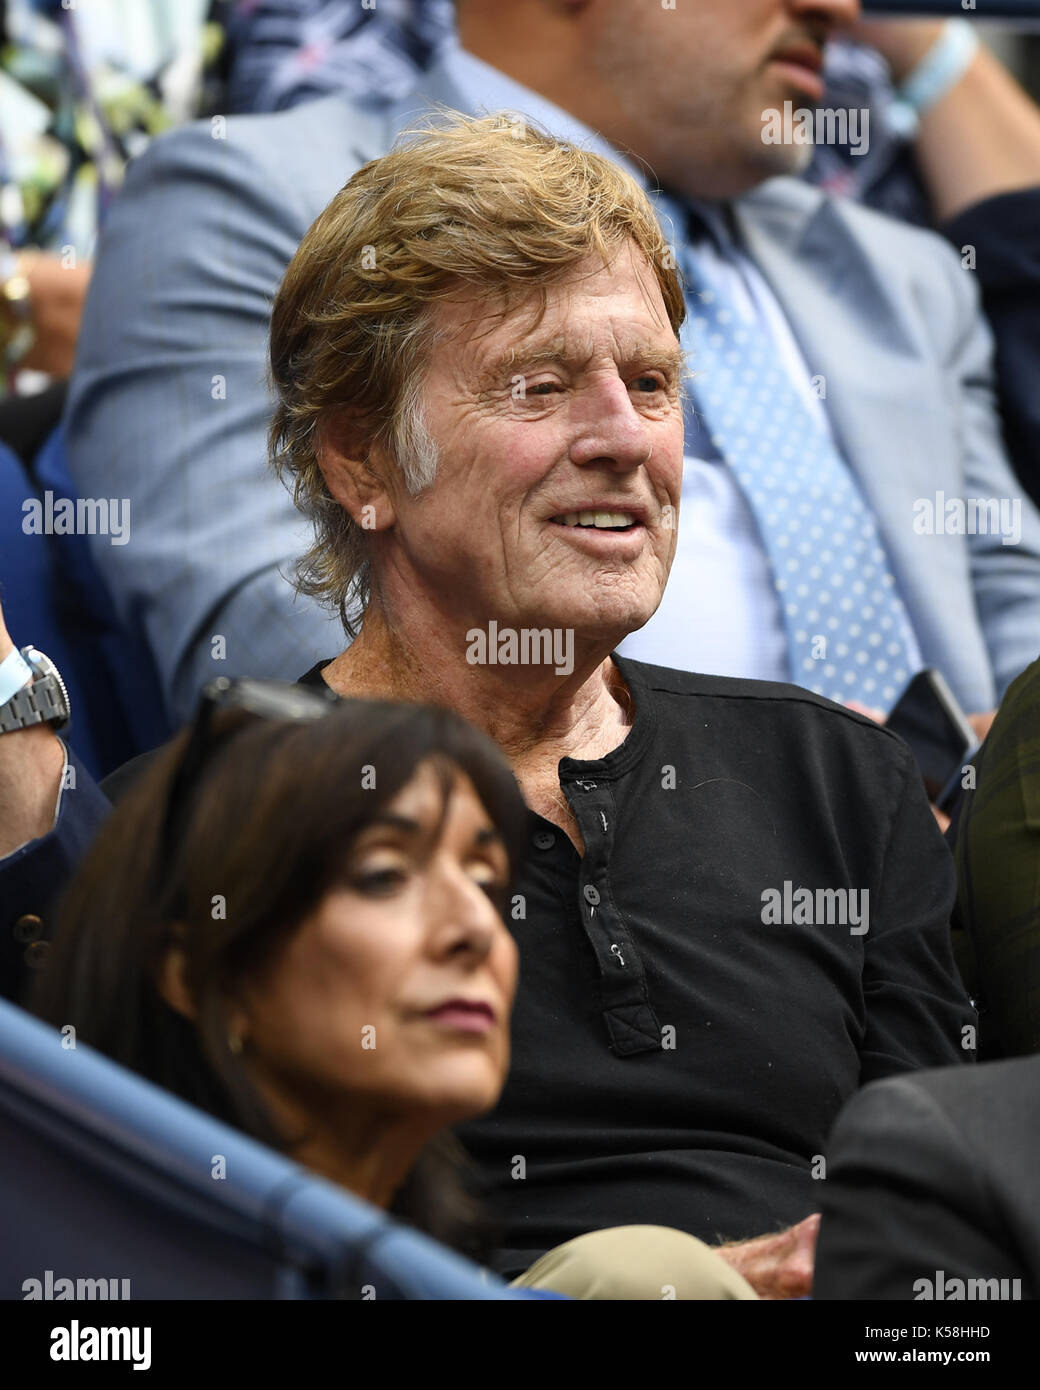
{"points": [[487, 89]]}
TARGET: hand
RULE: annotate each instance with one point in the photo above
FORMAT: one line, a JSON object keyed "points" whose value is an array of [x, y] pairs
{"points": [[901, 42], [869, 711], [779, 1266], [981, 723], [31, 762], [57, 294]]}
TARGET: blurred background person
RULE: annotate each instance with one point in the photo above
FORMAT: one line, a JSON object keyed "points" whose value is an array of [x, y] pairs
{"points": [[932, 1189], [83, 89], [954, 139], [996, 843], [955, 145]]}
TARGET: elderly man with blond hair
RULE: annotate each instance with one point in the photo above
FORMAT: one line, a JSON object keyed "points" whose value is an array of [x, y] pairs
{"points": [[736, 907], [812, 477]]}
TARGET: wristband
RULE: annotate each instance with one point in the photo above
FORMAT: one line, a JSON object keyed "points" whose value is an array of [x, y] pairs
{"points": [[941, 68], [15, 671]]}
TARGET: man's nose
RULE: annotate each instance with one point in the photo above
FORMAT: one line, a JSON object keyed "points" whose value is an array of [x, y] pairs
{"points": [[832, 14], [614, 433]]}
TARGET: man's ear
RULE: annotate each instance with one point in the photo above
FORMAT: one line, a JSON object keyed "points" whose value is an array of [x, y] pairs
{"points": [[357, 473], [172, 982]]}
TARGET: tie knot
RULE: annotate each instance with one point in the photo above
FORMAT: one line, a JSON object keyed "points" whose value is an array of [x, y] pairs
{"points": [[692, 221], [698, 227], [693, 225]]}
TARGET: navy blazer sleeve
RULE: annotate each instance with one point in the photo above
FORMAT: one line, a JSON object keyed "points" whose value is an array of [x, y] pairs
{"points": [[1004, 233], [33, 877]]}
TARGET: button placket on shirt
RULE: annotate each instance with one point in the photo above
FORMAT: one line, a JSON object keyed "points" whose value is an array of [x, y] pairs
{"points": [[630, 1019]]}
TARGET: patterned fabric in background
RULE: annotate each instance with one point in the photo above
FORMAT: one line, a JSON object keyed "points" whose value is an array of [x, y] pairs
{"points": [[283, 52], [84, 89]]}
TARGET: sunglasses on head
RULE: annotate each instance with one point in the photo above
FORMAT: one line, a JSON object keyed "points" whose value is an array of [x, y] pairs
{"points": [[264, 700]]}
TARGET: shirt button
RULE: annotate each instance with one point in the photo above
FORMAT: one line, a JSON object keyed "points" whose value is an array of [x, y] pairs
{"points": [[36, 953], [28, 927], [591, 894], [545, 839]]}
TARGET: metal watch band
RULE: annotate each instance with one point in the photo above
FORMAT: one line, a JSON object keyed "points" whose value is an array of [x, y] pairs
{"points": [[39, 703], [45, 701]]}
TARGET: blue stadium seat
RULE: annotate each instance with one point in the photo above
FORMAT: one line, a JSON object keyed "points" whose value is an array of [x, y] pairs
{"points": [[55, 598], [104, 1176], [31, 595], [108, 657]]}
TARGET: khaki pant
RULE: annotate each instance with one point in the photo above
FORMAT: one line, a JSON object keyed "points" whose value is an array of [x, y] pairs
{"points": [[636, 1262]]}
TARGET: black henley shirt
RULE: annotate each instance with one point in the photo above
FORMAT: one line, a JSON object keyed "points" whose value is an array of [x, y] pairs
{"points": [[689, 1019]]}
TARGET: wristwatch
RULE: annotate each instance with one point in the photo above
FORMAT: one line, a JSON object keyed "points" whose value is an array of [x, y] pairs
{"points": [[45, 701]]}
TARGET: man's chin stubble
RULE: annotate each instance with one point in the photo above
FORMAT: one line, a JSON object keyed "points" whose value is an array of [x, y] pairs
{"points": [[779, 161]]}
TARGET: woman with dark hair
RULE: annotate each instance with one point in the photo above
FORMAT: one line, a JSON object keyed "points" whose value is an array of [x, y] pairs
{"points": [[313, 916], [294, 920]]}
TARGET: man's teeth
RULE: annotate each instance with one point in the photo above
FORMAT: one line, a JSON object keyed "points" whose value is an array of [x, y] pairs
{"points": [[605, 520]]}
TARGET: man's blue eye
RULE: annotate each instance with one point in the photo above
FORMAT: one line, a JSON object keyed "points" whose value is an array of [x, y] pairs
{"points": [[654, 383]]}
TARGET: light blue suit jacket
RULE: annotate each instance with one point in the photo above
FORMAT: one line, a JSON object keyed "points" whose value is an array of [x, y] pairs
{"points": [[169, 404]]}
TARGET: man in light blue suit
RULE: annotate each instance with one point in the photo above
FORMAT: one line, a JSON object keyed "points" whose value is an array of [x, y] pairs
{"points": [[842, 396]]}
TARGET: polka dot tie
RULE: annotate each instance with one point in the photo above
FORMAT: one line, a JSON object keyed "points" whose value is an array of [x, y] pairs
{"points": [[849, 636]]}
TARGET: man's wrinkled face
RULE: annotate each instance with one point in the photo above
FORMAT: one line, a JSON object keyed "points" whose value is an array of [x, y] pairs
{"points": [[692, 82], [557, 493]]}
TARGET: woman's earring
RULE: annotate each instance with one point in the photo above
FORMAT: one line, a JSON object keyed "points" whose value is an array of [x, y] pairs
{"points": [[234, 1041]]}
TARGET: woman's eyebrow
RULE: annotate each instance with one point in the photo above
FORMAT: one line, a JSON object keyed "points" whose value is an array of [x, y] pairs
{"points": [[391, 820], [488, 836]]}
